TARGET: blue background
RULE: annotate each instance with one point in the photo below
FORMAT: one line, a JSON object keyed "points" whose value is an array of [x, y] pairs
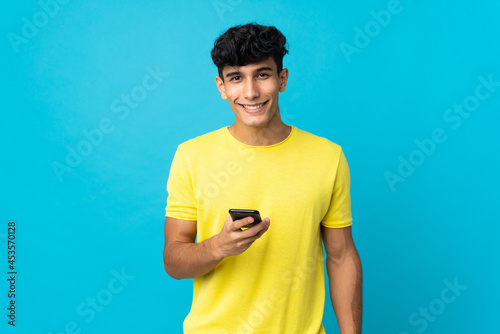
{"points": [[105, 216]]}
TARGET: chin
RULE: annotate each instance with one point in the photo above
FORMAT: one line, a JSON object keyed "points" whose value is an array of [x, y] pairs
{"points": [[261, 121]]}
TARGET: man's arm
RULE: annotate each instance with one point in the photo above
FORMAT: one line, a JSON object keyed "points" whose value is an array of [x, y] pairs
{"points": [[183, 258], [345, 278]]}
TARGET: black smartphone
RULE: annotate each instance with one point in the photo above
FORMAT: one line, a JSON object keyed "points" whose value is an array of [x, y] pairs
{"points": [[237, 214]]}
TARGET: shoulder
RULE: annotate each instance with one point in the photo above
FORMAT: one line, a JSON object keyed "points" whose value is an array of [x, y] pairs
{"points": [[318, 143], [201, 142]]}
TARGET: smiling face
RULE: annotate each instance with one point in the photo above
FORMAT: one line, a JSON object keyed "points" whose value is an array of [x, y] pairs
{"points": [[252, 91]]}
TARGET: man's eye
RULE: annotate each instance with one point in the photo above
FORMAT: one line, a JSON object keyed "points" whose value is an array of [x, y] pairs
{"points": [[264, 74], [234, 78]]}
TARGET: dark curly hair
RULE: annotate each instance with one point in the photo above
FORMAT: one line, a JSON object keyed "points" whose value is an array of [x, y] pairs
{"points": [[248, 44]]}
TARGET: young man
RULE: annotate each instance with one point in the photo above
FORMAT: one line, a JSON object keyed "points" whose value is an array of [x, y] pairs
{"points": [[268, 278]]}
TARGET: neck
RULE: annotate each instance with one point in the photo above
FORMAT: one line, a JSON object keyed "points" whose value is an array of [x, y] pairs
{"points": [[268, 134]]}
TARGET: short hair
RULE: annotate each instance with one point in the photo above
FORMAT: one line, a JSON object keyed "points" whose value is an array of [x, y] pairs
{"points": [[248, 44]]}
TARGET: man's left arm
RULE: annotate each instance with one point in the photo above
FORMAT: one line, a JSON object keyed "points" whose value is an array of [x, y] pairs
{"points": [[345, 278]]}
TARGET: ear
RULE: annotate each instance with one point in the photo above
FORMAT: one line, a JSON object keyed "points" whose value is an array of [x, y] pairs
{"points": [[221, 87], [283, 79]]}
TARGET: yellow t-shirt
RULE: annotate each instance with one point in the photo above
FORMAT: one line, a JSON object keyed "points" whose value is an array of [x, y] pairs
{"points": [[278, 284]]}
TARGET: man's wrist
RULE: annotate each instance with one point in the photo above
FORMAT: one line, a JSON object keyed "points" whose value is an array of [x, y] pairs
{"points": [[212, 246]]}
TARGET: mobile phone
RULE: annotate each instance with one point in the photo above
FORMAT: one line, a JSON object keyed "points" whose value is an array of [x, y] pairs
{"points": [[237, 214]]}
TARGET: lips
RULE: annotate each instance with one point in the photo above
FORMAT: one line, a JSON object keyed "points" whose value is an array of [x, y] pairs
{"points": [[253, 108]]}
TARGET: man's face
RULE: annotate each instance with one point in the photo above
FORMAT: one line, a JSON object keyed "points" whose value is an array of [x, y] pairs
{"points": [[253, 90]]}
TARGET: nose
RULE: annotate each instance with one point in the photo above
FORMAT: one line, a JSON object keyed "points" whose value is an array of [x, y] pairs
{"points": [[250, 90]]}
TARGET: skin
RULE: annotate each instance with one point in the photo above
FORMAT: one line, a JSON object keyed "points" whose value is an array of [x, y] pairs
{"points": [[253, 84], [183, 258], [345, 278]]}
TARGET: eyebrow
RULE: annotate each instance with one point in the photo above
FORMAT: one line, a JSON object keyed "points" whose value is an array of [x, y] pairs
{"points": [[264, 68]]}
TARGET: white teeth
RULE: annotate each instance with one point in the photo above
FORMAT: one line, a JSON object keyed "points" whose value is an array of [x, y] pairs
{"points": [[253, 107]]}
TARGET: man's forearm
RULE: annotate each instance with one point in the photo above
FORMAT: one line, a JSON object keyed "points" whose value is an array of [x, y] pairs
{"points": [[346, 280], [189, 260]]}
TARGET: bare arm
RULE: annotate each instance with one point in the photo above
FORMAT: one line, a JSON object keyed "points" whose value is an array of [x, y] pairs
{"points": [[345, 278], [183, 258]]}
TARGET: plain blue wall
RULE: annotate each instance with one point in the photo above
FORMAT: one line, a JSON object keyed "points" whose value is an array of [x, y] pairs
{"points": [[424, 218]]}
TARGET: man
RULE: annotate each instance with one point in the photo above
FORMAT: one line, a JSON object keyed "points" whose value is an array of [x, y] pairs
{"points": [[268, 278]]}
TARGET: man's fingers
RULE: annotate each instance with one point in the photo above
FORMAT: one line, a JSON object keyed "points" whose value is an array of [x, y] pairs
{"points": [[234, 224], [242, 222], [256, 230]]}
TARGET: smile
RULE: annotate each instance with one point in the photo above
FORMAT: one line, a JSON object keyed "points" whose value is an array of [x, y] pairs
{"points": [[253, 108]]}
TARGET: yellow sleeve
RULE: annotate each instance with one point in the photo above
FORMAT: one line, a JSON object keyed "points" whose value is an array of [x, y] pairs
{"points": [[339, 212], [181, 202]]}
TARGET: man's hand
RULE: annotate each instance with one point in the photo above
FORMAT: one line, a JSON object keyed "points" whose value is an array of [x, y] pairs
{"points": [[183, 258], [232, 240]]}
